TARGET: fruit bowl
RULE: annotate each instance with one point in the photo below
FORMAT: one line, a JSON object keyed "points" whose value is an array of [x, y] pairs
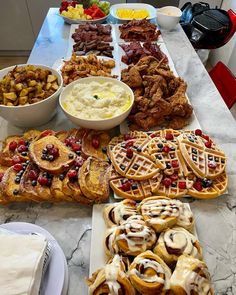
{"points": [[35, 114], [98, 123]]}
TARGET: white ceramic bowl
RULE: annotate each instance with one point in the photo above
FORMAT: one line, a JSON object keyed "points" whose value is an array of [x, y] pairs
{"points": [[35, 114], [72, 21], [134, 6], [168, 17], [102, 124]]}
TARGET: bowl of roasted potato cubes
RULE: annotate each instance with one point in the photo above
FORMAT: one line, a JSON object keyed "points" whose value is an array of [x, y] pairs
{"points": [[29, 94]]}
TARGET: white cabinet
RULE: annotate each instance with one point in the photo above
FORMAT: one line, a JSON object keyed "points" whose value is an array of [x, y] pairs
{"points": [[16, 30]]}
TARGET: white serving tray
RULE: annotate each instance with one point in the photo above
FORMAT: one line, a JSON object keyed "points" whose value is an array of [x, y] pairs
{"points": [[56, 279], [97, 254]]}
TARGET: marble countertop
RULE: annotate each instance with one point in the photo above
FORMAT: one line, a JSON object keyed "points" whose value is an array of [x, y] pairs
{"points": [[215, 219]]}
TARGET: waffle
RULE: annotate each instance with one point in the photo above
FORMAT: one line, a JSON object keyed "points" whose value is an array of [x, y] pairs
{"points": [[218, 187], [174, 190], [205, 162], [137, 190], [138, 167]]}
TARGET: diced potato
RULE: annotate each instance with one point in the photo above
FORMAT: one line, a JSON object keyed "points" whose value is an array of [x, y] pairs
{"points": [[55, 86], [48, 86], [11, 96], [32, 83], [19, 86], [51, 78], [23, 100], [24, 92]]}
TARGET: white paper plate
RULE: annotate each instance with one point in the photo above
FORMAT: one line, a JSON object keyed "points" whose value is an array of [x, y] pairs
{"points": [[115, 71], [134, 6], [97, 254], [56, 279]]}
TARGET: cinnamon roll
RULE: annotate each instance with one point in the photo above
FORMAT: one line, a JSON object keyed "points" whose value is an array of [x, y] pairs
{"points": [[117, 213], [191, 276], [110, 280], [160, 212], [185, 218], [149, 274], [109, 242], [175, 242]]}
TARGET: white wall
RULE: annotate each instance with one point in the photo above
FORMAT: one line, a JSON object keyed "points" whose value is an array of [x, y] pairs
{"points": [[227, 53]]}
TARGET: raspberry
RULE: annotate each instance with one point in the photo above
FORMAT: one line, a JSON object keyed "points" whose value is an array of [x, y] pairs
{"points": [[70, 140], [33, 175], [169, 136], [43, 180], [12, 146], [212, 165], [72, 173], [153, 135], [198, 132], [127, 137], [76, 147], [166, 149], [198, 186], [129, 143], [175, 163], [174, 177], [182, 185], [167, 182], [16, 159], [54, 152], [79, 162], [208, 144], [95, 142], [1, 176], [22, 148], [125, 186], [21, 142], [18, 167], [129, 153]]}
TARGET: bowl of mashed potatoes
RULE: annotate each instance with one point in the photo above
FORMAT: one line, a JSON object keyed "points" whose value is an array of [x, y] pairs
{"points": [[97, 102], [168, 17]]}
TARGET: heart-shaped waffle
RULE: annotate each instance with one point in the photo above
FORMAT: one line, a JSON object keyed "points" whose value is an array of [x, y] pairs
{"points": [[129, 163], [208, 188], [174, 186], [206, 161], [136, 190]]}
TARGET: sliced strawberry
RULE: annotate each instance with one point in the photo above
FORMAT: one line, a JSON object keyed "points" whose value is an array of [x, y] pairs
{"points": [[43, 180], [198, 186], [129, 143], [18, 167], [153, 135], [126, 186], [76, 147], [166, 149]]}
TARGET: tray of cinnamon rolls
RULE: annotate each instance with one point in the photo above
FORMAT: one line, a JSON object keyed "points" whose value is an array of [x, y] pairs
{"points": [[146, 248]]}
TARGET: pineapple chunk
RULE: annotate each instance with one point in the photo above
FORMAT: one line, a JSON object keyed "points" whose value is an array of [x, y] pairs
{"points": [[10, 95], [51, 78], [23, 100], [24, 92], [32, 83]]}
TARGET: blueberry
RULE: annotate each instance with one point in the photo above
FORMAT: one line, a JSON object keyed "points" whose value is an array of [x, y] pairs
{"points": [[210, 158], [24, 166], [173, 184], [78, 153], [50, 158], [44, 151], [123, 145], [159, 157], [34, 182], [160, 145], [217, 160], [222, 161], [15, 192], [139, 149], [104, 149], [45, 174], [44, 157], [135, 167], [172, 148], [168, 165], [194, 158], [24, 154], [27, 162], [206, 182], [122, 181], [17, 180], [70, 156], [134, 186], [122, 167], [61, 176]]}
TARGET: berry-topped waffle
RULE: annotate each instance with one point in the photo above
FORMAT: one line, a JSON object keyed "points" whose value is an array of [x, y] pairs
{"points": [[128, 162], [189, 162], [202, 155]]}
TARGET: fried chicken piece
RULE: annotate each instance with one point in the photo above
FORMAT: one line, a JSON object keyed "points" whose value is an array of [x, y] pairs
{"points": [[177, 122]]}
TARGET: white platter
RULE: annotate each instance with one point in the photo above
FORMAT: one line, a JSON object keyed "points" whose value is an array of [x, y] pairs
{"points": [[97, 254], [135, 6], [115, 71], [56, 279]]}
